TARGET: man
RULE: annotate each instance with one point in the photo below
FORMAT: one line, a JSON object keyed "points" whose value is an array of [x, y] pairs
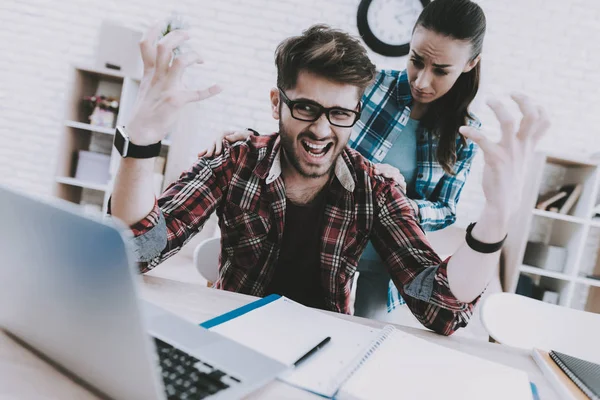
{"points": [[297, 208]]}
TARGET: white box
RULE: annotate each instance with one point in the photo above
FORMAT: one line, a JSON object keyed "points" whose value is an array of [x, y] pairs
{"points": [[550, 297], [119, 48], [548, 257], [93, 167]]}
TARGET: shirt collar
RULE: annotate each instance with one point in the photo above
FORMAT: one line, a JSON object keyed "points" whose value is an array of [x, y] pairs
{"points": [[403, 89], [342, 170]]}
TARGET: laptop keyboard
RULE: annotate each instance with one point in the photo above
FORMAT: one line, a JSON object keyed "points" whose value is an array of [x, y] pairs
{"points": [[186, 377]]}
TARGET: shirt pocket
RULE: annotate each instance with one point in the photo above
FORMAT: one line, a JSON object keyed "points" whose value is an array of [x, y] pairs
{"points": [[243, 234]]}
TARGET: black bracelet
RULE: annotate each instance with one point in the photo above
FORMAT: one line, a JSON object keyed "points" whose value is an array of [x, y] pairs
{"points": [[481, 247], [253, 131]]}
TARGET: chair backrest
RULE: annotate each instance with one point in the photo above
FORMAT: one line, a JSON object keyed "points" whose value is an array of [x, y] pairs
{"points": [[527, 323], [206, 258]]}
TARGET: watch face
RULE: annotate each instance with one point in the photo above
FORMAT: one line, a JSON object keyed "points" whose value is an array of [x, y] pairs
{"points": [[392, 21], [119, 142]]}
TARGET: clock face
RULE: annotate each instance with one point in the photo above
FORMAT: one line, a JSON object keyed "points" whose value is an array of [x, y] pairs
{"points": [[386, 25], [392, 21]]}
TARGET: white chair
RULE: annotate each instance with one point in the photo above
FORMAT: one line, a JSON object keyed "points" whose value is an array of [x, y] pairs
{"points": [[523, 322], [206, 259]]}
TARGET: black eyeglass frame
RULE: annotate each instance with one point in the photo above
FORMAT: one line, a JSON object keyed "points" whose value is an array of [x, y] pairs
{"points": [[292, 103]]}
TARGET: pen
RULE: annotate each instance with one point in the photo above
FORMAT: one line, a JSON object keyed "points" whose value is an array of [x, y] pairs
{"points": [[312, 351]]}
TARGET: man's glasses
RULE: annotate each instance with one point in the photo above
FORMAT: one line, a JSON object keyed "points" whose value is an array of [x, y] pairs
{"points": [[311, 111]]}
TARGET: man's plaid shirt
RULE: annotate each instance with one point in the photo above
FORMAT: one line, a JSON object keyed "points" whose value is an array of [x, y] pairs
{"points": [[245, 188]]}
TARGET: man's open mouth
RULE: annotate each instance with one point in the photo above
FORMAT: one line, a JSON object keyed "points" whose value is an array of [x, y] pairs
{"points": [[316, 150]]}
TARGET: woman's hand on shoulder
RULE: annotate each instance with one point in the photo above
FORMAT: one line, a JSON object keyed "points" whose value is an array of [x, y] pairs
{"points": [[387, 171], [216, 148]]}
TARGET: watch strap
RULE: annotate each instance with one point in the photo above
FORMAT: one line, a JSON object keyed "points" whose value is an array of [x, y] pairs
{"points": [[481, 247], [150, 151], [130, 150]]}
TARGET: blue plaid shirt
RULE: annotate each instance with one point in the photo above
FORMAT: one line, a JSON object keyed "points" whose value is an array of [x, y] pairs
{"points": [[386, 110]]}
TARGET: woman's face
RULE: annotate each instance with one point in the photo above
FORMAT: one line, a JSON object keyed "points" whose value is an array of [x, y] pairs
{"points": [[435, 63]]}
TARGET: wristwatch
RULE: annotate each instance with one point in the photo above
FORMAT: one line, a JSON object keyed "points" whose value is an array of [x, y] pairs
{"points": [[127, 149]]}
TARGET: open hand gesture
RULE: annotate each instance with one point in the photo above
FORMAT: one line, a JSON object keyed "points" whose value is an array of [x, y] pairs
{"points": [[506, 161], [162, 95]]}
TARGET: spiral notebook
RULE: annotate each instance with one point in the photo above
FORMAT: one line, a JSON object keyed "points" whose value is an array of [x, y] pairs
{"points": [[284, 330], [361, 362], [585, 374]]}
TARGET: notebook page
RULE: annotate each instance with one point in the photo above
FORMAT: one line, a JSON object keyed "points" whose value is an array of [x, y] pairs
{"points": [[407, 367], [285, 330]]}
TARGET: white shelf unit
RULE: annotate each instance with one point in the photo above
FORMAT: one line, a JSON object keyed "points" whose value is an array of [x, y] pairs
{"points": [[578, 232], [78, 134], [81, 183]]}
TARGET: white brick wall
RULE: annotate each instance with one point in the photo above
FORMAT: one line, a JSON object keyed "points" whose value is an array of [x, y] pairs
{"points": [[548, 48]]}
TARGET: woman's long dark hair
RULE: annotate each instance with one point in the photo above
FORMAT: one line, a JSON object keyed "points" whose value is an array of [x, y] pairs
{"points": [[462, 20]]}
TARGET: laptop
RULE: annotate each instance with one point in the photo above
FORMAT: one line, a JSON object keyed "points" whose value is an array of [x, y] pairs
{"points": [[68, 290]]}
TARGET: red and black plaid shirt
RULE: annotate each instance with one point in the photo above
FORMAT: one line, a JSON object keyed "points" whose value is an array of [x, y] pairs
{"points": [[245, 188]]}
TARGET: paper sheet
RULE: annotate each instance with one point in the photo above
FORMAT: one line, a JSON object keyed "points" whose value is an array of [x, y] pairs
{"points": [[408, 367]]}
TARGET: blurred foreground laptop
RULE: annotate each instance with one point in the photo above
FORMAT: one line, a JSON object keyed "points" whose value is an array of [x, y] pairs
{"points": [[68, 289]]}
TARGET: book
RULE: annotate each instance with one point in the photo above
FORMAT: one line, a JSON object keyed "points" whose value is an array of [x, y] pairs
{"points": [[362, 362], [547, 200], [573, 193], [561, 201], [585, 374], [560, 382]]}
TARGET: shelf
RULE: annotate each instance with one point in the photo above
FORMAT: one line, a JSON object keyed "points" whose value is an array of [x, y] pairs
{"points": [[571, 160], [79, 183], [89, 127], [101, 129], [542, 272], [588, 281], [106, 72], [560, 217]]}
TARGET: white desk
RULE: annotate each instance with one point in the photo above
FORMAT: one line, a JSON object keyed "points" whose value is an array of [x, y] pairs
{"points": [[25, 376]]}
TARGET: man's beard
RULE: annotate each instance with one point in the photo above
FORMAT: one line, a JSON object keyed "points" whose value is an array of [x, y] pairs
{"points": [[287, 145]]}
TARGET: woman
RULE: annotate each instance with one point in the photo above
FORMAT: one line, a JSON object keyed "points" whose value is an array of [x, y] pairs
{"points": [[409, 123]]}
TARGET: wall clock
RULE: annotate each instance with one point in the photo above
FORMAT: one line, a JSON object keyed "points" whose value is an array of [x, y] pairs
{"points": [[386, 25]]}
